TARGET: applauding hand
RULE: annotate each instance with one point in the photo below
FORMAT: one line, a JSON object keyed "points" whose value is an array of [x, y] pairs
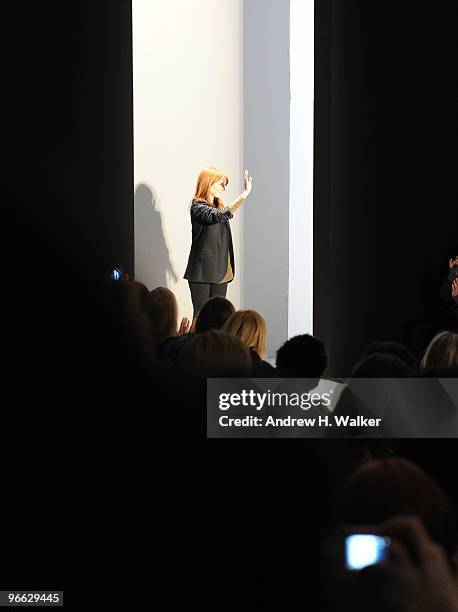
{"points": [[455, 288], [184, 327]]}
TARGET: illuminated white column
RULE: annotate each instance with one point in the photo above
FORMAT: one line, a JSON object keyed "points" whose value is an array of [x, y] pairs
{"points": [[300, 284]]}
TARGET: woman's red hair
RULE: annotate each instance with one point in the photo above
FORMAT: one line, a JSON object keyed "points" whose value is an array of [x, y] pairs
{"points": [[206, 178]]}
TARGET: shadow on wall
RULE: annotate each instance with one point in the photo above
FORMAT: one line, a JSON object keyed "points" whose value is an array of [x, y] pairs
{"points": [[152, 260]]}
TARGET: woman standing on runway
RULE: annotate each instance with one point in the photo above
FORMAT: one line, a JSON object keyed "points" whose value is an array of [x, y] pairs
{"points": [[211, 260]]}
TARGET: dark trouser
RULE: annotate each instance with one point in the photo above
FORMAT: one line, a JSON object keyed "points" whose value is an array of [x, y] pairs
{"points": [[202, 292]]}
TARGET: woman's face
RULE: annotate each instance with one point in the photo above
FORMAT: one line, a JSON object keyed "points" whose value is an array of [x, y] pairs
{"points": [[217, 189]]}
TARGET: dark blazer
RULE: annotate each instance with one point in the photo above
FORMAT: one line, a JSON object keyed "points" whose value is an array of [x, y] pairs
{"points": [[211, 243]]}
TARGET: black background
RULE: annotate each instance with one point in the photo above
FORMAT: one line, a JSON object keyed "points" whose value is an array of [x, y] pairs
{"points": [[385, 192]]}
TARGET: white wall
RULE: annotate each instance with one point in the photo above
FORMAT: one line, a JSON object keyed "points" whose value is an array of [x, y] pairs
{"points": [[187, 115], [278, 147], [266, 153], [300, 298]]}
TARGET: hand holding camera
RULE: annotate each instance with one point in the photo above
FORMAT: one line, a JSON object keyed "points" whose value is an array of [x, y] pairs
{"points": [[414, 574]]}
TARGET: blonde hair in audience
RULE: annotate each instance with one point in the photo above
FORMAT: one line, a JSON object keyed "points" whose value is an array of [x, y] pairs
{"points": [[250, 327], [442, 351]]}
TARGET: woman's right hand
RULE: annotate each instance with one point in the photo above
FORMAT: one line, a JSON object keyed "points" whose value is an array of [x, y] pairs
{"points": [[247, 183], [453, 262]]}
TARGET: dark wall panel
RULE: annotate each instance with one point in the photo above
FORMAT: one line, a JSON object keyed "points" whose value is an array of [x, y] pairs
{"points": [[383, 172], [70, 136]]}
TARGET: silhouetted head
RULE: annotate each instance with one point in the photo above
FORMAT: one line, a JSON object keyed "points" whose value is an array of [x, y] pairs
{"points": [[162, 310], [213, 354], [392, 348], [214, 314], [302, 357], [382, 365], [124, 323]]}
